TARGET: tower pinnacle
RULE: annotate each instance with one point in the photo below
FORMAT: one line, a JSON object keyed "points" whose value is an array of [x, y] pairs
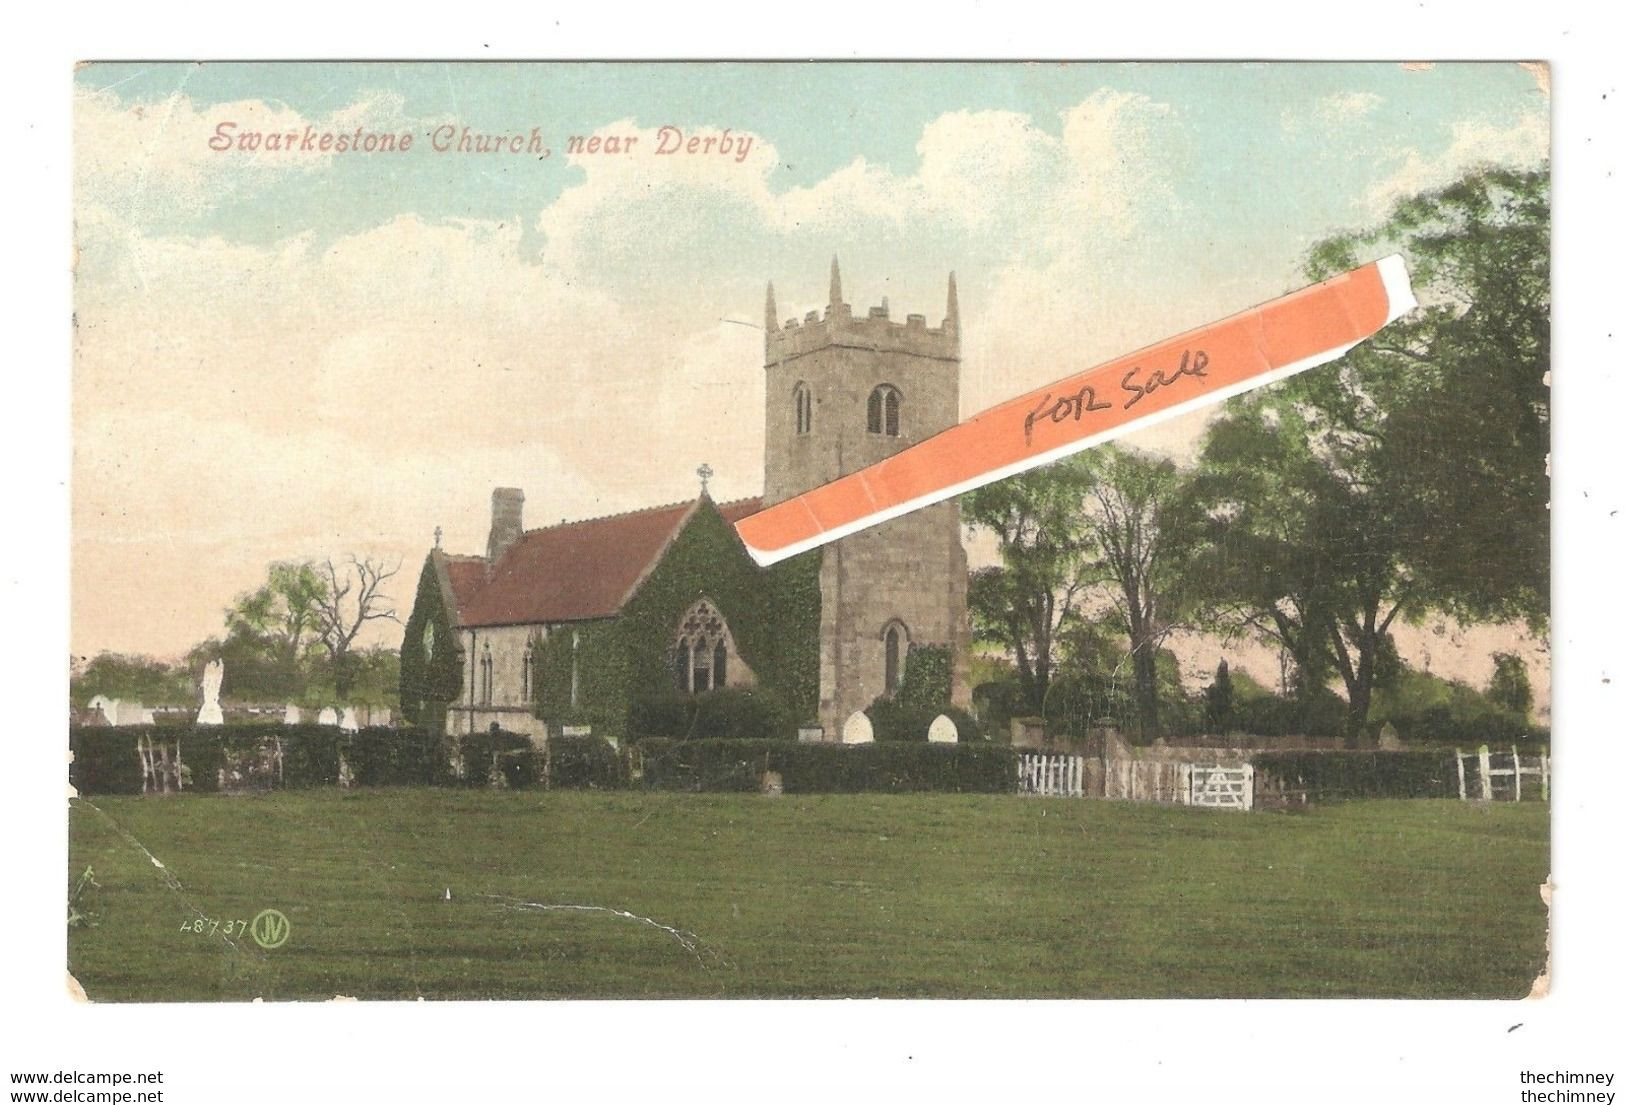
{"points": [[835, 281], [951, 319], [772, 309]]}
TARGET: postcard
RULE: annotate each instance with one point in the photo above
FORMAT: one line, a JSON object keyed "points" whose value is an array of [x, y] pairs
{"points": [[810, 530]]}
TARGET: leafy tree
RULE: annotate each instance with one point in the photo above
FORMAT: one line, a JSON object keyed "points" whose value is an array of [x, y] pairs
{"points": [[1374, 488], [1141, 521], [1219, 700], [134, 678], [1509, 687], [1023, 604]]}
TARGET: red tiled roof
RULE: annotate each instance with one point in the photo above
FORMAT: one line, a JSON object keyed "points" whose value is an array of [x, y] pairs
{"points": [[577, 570], [465, 575]]}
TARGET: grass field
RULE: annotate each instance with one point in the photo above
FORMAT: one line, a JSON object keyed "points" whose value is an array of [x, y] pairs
{"points": [[892, 896]]}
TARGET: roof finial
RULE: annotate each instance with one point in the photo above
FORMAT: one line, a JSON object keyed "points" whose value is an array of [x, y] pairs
{"points": [[705, 472], [772, 309], [835, 281], [952, 318], [437, 537]]}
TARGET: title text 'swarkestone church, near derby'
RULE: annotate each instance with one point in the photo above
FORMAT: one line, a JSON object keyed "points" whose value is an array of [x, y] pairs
{"points": [[573, 625]]}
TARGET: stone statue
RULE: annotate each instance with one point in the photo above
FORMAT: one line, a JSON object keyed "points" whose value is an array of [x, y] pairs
{"points": [[210, 714]]}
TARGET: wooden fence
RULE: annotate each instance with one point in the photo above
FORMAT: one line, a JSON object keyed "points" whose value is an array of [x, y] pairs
{"points": [[1508, 767], [1054, 775]]}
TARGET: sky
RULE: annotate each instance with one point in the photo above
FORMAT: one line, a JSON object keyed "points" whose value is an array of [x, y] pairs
{"points": [[286, 354]]}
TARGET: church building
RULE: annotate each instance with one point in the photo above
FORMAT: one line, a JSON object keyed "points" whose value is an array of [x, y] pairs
{"points": [[568, 627]]}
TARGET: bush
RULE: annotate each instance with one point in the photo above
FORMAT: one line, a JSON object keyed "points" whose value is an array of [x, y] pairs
{"points": [[584, 762], [728, 713], [1365, 774], [381, 757], [497, 750], [105, 760], [898, 721], [827, 768]]}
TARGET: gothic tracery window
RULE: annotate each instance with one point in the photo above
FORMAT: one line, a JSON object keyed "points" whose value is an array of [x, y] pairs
{"points": [[885, 415], [701, 652]]}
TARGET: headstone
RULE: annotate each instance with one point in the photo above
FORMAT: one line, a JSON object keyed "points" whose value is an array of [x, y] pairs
{"points": [[858, 729], [213, 674], [328, 716], [943, 731], [348, 722], [810, 733], [1388, 737], [291, 715], [107, 707], [576, 731]]}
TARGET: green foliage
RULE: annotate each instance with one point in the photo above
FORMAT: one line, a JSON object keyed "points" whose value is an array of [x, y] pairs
{"points": [[928, 677], [1326, 776], [1219, 701], [773, 614], [828, 768], [728, 713], [496, 757], [105, 759], [133, 679], [575, 763], [379, 756], [1509, 687], [895, 720], [996, 703], [1423, 707], [431, 663]]}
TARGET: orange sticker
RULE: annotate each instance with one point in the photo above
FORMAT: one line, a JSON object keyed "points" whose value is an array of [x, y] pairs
{"points": [[1196, 369]]}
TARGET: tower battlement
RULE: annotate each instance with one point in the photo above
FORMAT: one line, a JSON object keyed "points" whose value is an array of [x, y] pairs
{"points": [[838, 327]]}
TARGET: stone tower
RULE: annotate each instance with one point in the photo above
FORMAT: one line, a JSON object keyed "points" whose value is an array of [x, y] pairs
{"points": [[843, 392]]}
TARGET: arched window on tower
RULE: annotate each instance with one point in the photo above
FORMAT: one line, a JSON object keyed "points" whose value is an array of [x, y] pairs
{"points": [[895, 637], [885, 416], [802, 398]]}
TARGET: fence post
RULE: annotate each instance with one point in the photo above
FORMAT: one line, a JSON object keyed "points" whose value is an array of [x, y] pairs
{"points": [[1485, 786], [1517, 777], [1461, 776]]}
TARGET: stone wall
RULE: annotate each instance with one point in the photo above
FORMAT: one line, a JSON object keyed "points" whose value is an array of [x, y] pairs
{"points": [[509, 707]]}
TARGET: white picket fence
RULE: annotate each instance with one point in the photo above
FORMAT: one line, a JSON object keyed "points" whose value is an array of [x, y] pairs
{"points": [[1506, 765], [1055, 775]]}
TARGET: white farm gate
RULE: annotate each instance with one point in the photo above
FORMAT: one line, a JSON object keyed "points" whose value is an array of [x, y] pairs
{"points": [[1055, 775], [1502, 775]]}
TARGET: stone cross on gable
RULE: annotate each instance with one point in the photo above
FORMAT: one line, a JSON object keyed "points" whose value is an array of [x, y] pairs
{"points": [[437, 537], [705, 472]]}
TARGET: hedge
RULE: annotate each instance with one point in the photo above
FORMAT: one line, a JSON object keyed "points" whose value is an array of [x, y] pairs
{"points": [[1363, 774], [895, 720], [729, 713], [583, 763], [485, 753], [105, 759], [827, 768]]}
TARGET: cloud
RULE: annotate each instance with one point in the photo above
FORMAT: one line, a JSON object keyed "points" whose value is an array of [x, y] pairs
{"points": [[1344, 107], [143, 159], [1521, 144]]}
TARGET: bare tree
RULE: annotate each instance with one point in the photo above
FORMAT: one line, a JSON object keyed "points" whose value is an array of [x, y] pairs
{"points": [[353, 596]]}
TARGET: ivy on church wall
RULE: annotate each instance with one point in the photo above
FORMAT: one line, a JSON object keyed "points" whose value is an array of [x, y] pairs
{"points": [[430, 680], [928, 677], [773, 614]]}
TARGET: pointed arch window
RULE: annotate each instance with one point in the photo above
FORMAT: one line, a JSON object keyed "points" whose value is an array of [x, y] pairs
{"points": [[801, 398], [702, 652], [485, 675], [895, 638], [885, 411], [528, 676]]}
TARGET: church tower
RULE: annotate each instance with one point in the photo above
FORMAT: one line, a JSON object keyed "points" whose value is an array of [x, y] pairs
{"points": [[842, 393]]}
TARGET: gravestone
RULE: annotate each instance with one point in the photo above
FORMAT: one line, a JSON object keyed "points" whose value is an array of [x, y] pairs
{"points": [[858, 729], [291, 715], [328, 716], [943, 731], [1388, 738], [347, 722], [107, 707], [214, 672]]}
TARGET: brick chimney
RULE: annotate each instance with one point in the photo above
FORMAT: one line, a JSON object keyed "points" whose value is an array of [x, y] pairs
{"points": [[507, 521]]}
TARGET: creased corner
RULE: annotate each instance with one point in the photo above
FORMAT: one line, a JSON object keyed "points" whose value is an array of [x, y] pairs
{"points": [[1543, 982], [76, 991]]}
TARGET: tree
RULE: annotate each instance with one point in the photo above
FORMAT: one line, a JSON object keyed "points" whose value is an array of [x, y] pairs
{"points": [[1377, 487], [1509, 686], [134, 678], [350, 598], [1219, 700], [1141, 522], [1024, 604]]}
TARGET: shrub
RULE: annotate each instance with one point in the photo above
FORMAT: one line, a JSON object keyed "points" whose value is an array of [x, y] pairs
{"points": [[827, 768], [898, 721], [497, 750], [728, 713], [584, 762], [105, 759], [379, 756], [1364, 774]]}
